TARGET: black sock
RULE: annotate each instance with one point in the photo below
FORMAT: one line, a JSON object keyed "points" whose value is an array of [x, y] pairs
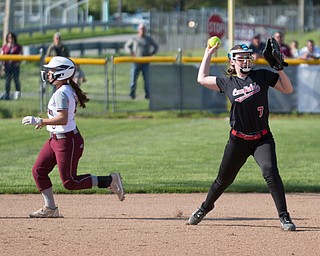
{"points": [[205, 209], [104, 181]]}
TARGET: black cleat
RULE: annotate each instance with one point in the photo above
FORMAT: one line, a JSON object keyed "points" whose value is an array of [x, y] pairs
{"points": [[196, 217], [286, 222]]}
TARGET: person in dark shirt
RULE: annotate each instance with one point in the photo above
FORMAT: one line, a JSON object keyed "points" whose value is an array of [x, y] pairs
{"points": [[250, 134], [11, 68], [57, 48], [284, 48], [257, 46]]}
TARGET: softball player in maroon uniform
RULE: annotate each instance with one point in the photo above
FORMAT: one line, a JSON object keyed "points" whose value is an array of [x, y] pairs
{"points": [[65, 145], [250, 133]]}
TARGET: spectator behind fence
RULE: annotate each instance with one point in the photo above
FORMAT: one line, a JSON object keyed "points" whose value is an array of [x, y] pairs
{"points": [[285, 49], [57, 48], [139, 46], [79, 76], [11, 68], [294, 46], [257, 46], [310, 51]]}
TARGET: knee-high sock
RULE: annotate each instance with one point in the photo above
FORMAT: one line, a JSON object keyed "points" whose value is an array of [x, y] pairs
{"points": [[48, 198]]}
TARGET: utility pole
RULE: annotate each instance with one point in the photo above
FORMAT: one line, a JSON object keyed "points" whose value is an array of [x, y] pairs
{"points": [[305, 14], [309, 15], [120, 9], [231, 7], [301, 13], [8, 19], [105, 10]]}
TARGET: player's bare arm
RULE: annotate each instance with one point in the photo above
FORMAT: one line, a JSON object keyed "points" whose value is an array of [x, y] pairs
{"points": [[250, 130], [284, 84], [203, 75]]}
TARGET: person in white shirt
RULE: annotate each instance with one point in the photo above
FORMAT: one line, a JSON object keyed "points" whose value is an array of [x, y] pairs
{"points": [[65, 146], [310, 51], [294, 48]]}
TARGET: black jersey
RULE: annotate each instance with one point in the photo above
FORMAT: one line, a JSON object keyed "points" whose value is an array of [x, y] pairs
{"points": [[249, 98]]}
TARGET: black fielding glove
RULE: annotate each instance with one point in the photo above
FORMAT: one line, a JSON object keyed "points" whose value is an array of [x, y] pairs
{"points": [[273, 55]]}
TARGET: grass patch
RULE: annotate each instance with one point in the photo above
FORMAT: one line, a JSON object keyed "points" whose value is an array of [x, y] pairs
{"points": [[163, 155], [75, 33]]}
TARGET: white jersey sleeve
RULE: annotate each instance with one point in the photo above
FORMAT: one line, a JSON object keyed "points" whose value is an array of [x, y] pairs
{"points": [[62, 99]]}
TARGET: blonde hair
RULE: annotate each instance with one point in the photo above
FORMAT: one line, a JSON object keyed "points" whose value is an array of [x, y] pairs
{"points": [[57, 34]]}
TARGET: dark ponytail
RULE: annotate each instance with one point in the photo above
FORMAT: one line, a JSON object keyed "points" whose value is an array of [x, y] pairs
{"points": [[82, 96], [230, 71]]}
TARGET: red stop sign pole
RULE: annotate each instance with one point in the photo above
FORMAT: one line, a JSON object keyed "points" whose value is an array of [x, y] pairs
{"points": [[216, 26]]}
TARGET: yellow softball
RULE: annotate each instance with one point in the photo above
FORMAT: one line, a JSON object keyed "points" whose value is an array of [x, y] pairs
{"points": [[213, 40]]}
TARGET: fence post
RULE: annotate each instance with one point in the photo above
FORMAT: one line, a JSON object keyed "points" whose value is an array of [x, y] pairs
{"points": [[113, 76], [106, 80], [42, 85], [179, 63]]}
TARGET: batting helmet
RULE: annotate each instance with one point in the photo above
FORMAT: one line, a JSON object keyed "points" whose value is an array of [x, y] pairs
{"points": [[64, 68]]}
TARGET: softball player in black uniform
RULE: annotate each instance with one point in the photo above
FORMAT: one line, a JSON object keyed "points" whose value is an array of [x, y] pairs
{"points": [[250, 133]]}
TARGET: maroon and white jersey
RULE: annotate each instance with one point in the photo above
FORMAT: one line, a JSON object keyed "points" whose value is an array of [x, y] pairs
{"points": [[63, 98], [249, 98]]}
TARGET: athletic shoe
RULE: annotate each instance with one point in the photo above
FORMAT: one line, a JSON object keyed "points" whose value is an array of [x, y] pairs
{"points": [[116, 186], [196, 216], [5, 97], [45, 212], [286, 222], [17, 95], [132, 95]]}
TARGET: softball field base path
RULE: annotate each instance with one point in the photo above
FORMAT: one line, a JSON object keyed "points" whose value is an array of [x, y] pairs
{"points": [[155, 224]]}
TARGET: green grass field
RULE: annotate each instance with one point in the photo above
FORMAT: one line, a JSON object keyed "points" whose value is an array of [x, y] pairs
{"points": [[163, 155], [154, 155]]}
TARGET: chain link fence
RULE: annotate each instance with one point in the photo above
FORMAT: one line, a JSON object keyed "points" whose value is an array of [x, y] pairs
{"points": [[173, 86], [188, 29], [35, 94]]}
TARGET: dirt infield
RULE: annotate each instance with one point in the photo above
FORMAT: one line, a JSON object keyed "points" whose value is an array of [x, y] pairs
{"points": [[155, 224]]}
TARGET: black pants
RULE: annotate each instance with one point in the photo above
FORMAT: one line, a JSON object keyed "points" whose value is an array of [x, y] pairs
{"points": [[12, 71], [235, 155]]}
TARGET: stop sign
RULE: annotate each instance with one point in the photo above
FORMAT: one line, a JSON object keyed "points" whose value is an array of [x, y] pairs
{"points": [[216, 26]]}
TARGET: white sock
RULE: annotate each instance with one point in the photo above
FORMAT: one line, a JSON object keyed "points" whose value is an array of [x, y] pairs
{"points": [[48, 198], [94, 180]]}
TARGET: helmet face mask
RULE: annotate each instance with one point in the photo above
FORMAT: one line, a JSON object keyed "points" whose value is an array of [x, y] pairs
{"points": [[62, 69], [44, 76], [243, 58], [244, 49], [244, 54]]}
